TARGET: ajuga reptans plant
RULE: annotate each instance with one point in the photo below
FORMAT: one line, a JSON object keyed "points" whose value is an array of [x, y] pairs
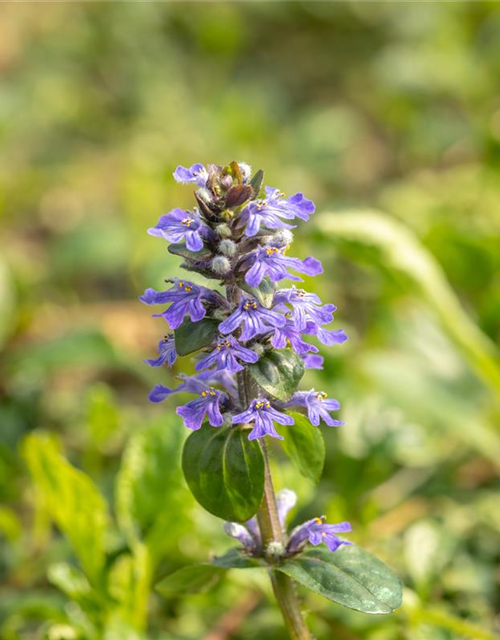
{"points": [[251, 340]]}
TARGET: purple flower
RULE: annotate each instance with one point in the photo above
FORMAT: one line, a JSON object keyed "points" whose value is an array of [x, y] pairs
{"points": [[167, 352], [271, 261], [318, 406], [186, 299], [289, 335], [286, 499], [325, 336], [226, 354], [178, 225], [268, 212], [305, 306], [193, 413], [255, 318], [312, 361], [196, 173], [261, 412], [249, 533], [195, 384], [316, 531], [249, 541]]}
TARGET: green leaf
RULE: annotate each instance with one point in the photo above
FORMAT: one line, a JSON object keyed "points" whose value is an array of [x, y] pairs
{"points": [[237, 559], [73, 501], [305, 446], [256, 182], [350, 576], [278, 373], [264, 293], [225, 471], [145, 500], [180, 249], [192, 336], [194, 578]]}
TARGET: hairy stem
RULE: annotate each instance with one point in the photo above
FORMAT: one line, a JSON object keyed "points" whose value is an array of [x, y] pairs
{"points": [[271, 531]]}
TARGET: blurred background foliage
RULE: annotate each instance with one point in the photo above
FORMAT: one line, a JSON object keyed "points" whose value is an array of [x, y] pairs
{"points": [[364, 107]]}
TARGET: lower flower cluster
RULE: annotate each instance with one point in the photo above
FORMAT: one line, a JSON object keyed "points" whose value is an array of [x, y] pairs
{"points": [[315, 531]]}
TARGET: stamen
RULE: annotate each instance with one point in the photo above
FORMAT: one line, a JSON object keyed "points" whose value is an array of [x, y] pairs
{"points": [[187, 222], [250, 304], [320, 396]]}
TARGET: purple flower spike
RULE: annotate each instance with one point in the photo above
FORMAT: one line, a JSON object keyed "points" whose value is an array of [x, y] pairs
{"points": [[316, 531], [255, 319], [289, 335], [318, 406], [181, 225], [271, 261], [225, 356], [186, 299], [261, 412], [196, 173], [167, 352], [193, 413], [305, 307], [312, 361]]}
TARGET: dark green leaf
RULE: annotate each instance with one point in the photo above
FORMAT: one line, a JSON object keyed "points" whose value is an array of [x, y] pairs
{"points": [[278, 373], [180, 249], [264, 293], [194, 578], [192, 336], [350, 576], [225, 471], [256, 182], [305, 447], [237, 559]]}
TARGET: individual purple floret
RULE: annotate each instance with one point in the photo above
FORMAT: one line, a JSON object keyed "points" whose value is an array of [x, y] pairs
{"points": [[318, 406], [270, 211], [179, 225], [255, 319], [305, 307], [271, 261], [166, 351], [313, 361], [193, 413], [195, 384], [196, 173], [286, 499], [316, 531], [262, 413], [226, 354], [241, 533], [186, 299], [290, 335]]}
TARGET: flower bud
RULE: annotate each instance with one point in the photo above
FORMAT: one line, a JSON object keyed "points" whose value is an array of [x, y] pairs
{"points": [[205, 195], [228, 248], [258, 349], [275, 549], [224, 231], [282, 238], [220, 265], [246, 170]]}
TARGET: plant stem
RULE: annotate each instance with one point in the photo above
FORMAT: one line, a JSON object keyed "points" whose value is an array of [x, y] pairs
{"points": [[271, 531]]}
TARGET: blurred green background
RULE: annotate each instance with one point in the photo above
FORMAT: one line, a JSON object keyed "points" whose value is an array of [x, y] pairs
{"points": [[363, 107]]}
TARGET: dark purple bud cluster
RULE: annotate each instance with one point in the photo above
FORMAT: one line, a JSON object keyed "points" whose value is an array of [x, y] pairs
{"points": [[238, 234]]}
